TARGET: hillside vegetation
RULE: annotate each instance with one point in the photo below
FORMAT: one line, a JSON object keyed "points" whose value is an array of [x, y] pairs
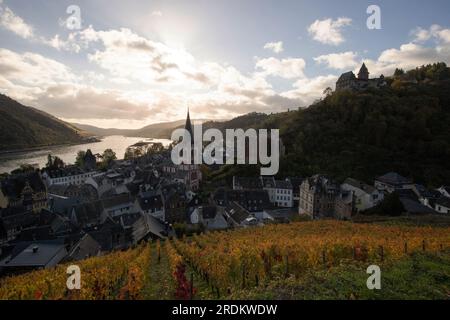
{"points": [[312, 260], [403, 127], [25, 127]]}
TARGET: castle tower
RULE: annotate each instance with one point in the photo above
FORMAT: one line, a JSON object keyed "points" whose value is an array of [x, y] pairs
{"points": [[363, 73]]}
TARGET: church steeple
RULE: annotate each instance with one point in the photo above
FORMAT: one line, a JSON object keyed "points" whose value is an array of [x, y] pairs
{"points": [[188, 125]]}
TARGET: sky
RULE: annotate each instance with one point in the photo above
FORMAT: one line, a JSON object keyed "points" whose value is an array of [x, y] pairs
{"points": [[127, 64]]}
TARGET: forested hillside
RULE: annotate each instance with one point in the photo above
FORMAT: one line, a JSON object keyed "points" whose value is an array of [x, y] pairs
{"points": [[25, 127], [404, 127]]}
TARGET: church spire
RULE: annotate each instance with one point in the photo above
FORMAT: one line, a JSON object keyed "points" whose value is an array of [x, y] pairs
{"points": [[188, 125]]}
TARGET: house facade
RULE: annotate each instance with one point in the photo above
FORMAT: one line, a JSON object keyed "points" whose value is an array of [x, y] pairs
{"points": [[442, 205], [366, 196], [317, 197], [24, 190], [70, 175], [392, 181]]}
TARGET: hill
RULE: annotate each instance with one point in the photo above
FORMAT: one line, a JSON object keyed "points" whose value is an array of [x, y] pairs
{"points": [[26, 127], [403, 127], [162, 130], [309, 260]]}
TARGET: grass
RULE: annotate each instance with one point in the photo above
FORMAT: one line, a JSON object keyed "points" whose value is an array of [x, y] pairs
{"points": [[418, 277], [160, 285]]}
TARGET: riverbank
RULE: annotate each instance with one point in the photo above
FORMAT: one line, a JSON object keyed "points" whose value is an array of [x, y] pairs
{"points": [[12, 160], [41, 147]]}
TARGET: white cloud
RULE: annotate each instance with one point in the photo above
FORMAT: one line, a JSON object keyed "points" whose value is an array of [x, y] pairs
{"points": [[10, 21], [276, 47], [285, 68], [339, 61], [32, 69], [436, 32], [329, 31], [309, 89]]}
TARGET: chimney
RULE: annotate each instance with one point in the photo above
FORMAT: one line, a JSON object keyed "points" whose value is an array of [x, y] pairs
{"points": [[35, 249]]}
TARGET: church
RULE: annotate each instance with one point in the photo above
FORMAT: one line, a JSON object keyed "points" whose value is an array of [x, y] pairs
{"points": [[348, 80]]}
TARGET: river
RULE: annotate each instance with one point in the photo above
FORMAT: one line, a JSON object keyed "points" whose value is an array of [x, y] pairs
{"points": [[119, 144]]}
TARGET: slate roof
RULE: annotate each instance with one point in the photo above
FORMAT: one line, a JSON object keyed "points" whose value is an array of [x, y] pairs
{"points": [[283, 184], [394, 178], [443, 201], [148, 226], [88, 213], [320, 183], [247, 198], [347, 76], [121, 199], [150, 200], [248, 182], [38, 254], [36, 233], [360, 185], [21, 220], [413, 207], [86, 247], [237, 212], [65, 172]]}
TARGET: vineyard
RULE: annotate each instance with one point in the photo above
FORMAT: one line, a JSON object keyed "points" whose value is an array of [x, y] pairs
{"points": [[255, 262], [120, 275]]}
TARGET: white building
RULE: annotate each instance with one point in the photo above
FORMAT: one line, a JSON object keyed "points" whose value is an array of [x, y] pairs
{"points": [[71, 175], [365, 196], [445, 191], [442, 205], [283, 194]]}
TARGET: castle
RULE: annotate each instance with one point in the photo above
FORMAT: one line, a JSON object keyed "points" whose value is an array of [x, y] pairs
{"points": [[348, 80]]}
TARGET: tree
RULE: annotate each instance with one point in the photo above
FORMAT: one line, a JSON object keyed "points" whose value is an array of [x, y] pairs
{"points": [[79, 161], [54, 162], [49, 163], [390, 206], [398, 72], [58, 163], [155, 148], [327, 92], [108, 157]]}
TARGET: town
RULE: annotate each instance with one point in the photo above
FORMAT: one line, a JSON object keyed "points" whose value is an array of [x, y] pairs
{"points": [[67, 213]]}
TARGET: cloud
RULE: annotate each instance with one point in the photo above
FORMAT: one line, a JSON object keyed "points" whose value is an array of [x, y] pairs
{"points": [[32, 69], [10, 21], [435, 31], [126, 55], [285, 68], [73, 101], [309, 89], [329, 31], [408, 56], [276, 47], [157, 13], [339, 61]]}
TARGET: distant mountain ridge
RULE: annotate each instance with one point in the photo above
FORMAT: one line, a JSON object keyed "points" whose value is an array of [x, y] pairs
{"points": [[26, 127], [162, 130]]}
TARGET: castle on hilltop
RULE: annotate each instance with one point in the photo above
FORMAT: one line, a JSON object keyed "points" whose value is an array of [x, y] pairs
{"points": [[348, 80]]}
